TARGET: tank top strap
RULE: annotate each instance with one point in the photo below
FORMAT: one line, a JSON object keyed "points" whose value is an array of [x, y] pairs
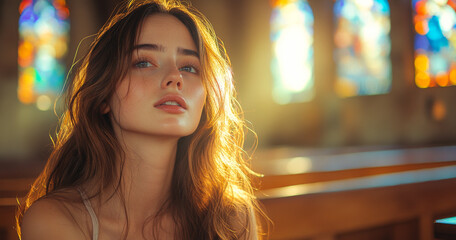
{"points": [[92, 214]]}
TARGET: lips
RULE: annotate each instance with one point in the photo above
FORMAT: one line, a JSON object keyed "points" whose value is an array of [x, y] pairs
{"points": [[172, 104]]}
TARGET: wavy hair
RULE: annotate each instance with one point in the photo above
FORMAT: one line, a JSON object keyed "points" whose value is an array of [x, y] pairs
{"points": [[211, 194]]}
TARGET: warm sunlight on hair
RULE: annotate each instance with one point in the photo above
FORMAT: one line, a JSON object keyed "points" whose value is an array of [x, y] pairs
{"points": [[210, 194]]}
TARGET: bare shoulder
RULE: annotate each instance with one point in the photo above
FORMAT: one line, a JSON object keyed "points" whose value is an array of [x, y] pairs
{"points": [[49, 218]]}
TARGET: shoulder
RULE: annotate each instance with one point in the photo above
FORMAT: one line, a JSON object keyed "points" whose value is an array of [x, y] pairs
{"points": [[50, 218]]}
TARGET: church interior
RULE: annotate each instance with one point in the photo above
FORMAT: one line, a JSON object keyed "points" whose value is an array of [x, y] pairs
{"points": [[348, 103]]}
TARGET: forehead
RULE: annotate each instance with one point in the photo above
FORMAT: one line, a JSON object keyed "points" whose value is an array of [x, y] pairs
{"points": [[166, 30]]}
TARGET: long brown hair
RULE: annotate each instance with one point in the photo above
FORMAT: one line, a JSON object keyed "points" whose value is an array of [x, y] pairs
{"points": [[211, 192]]}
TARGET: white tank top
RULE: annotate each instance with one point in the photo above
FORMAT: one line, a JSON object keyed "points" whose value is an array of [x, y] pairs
{"points": [[92, 214]]}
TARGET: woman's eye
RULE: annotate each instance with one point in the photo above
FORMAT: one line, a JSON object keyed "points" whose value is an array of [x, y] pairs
{"points": [[189, 69], [143, 64]]}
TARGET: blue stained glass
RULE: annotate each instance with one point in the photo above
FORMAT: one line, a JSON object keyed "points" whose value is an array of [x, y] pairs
{"points": [[421, 42], [44, 33], [435, 43], [381, 6], [435, 33], [363, 47], [415, 1], [338, 8], [28, 16], [436, 38]]}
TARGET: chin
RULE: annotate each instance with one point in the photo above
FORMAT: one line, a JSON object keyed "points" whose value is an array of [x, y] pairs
{"points": [[177, 132]]}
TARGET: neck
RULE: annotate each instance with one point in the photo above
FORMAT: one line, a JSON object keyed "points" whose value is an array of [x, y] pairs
{"points": [[145, 178], [147, 174]]}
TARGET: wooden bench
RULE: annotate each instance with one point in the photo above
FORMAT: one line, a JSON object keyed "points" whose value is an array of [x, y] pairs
{"points": [[382, 194]]}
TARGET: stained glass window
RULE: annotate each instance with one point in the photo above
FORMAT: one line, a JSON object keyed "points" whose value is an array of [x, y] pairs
{"points": [[292, 42], [43, 43], [435, 42], [362, 47]]}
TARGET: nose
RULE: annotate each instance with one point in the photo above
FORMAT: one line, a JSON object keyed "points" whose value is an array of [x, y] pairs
{"points": [[173, 79]]}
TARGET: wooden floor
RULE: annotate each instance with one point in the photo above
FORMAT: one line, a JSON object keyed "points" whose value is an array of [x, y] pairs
{"points": [[355, 194]]}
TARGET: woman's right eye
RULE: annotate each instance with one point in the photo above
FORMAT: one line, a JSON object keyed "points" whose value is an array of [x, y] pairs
{"points": [[143, 64]]}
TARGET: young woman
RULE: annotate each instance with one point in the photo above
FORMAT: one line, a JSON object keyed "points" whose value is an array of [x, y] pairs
{"points": [[150, 145]]}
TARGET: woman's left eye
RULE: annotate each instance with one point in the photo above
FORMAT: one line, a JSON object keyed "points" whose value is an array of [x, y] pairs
{"points": [[143, 64], [189, 69]]}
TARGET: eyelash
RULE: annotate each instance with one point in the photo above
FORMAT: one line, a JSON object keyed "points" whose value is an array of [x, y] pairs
{"points": [[190, 66], [141, 61]]}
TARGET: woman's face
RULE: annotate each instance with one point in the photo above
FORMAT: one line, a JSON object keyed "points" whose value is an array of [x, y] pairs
{"points": [[162, 94]]}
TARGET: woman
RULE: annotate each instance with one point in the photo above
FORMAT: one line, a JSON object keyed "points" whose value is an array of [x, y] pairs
{"points": [[150, 146]]}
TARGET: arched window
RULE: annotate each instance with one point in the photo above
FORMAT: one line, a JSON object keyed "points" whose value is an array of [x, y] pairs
{"points": [[292, 40], [362, 47], [435, 42], [43, 43]]}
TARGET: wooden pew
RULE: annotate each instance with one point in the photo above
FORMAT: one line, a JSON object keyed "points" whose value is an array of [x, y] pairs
{"points": [[385, 194]]}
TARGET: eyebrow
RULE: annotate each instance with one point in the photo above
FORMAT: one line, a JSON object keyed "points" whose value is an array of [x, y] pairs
{"points": [[161, 48]]}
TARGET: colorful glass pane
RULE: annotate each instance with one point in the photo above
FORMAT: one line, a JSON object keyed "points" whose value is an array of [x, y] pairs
{"points": [[362, 47], [292, 42], [43, 43], [435, 42]]}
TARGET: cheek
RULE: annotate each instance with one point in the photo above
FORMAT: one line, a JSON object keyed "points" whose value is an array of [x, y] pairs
{"points": [[115, 105], [131, 92], [120, 100], [201, 97], [200, 101]]}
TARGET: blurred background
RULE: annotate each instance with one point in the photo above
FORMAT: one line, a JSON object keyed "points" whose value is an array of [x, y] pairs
{"points": [[350, 99]]}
